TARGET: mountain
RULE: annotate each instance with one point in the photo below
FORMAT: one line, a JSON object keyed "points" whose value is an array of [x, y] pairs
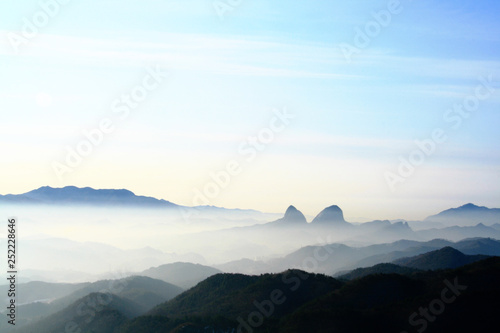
{"points": [[293, 228], [447, 257], [95, 312], [332, 258], [245, 266], [457, 232], [72, 195], [395, 303], [457, 300], [87, 196], [473, 246], [375, 225], [34, 300], [143, 292], [292, 217], [37, 291], [385, 268], [467, 215], [236, 295], [495, 226], [443, 258], [336, 257], [486, 246], [290, 232], [464, 299], [325, 259], [384, 231], [396, 230], [182, 274], [332, 215]]}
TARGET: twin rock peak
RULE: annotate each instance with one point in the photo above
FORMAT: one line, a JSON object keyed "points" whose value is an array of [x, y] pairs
{"points": [[329, 216]]}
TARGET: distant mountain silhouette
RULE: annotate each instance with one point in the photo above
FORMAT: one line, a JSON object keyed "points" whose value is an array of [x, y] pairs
{"points": [[182, 274], [139, 292], [245, 266], [95, 312], [330, 216], [374, 225], [43, 291], [333, 258], [468, 214], [85, 196], [444, 258], [458, 232], [472, 246], [145, 291], [486, 246], [292, 217]]}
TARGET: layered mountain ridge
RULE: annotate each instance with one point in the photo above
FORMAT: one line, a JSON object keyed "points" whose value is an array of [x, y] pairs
{"points": [[332, 215]]}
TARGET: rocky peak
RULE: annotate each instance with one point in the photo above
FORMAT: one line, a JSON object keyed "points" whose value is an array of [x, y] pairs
{"points": [[331, 215]]}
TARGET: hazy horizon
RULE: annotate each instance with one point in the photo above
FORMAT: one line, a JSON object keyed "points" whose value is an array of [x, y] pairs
{"points": [[387, 109], [378, 121], [350, 216]]}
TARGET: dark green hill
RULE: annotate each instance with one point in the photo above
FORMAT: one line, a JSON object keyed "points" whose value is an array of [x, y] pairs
{"points": [[464, 299], [374, 303], [385, 268], [209, 297], [447, 257], [230, 296], [385, 303]]}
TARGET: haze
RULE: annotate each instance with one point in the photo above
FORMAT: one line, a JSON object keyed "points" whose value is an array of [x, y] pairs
{"points": [[223, 80]]}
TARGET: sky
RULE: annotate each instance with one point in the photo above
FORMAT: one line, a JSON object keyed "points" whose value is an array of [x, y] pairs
{"points": [[389, 109]]}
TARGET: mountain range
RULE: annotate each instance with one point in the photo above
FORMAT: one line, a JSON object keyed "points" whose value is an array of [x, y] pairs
{"points": [[443, 258], [131, 297], [332, 259], [84, 196], [87, 196], [182, 274], [312, 273], [469, 214], [294, 301]]}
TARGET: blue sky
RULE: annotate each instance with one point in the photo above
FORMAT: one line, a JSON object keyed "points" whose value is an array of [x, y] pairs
{"points": [[227, 77]]}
